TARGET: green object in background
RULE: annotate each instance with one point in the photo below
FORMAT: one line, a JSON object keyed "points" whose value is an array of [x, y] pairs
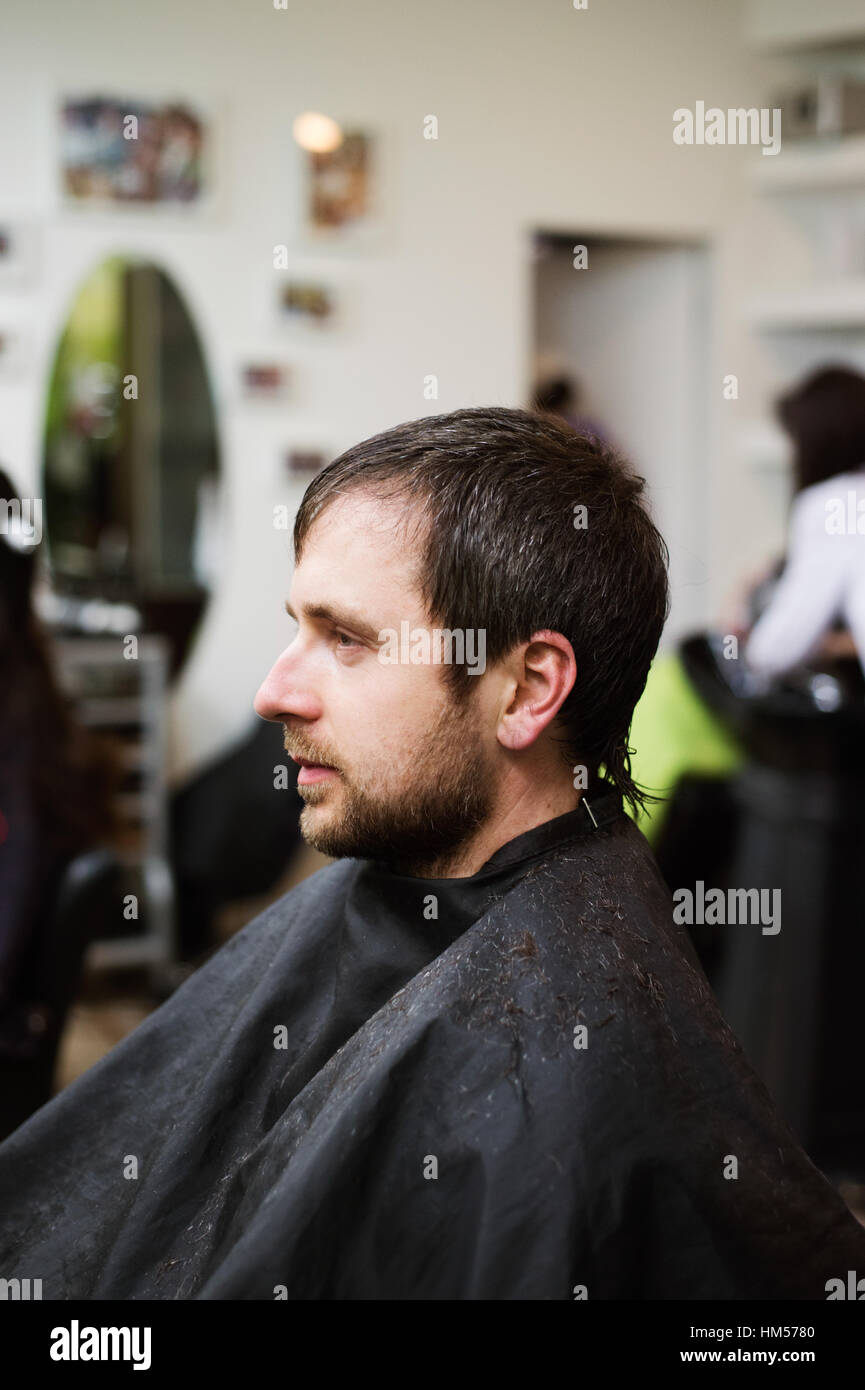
{"points": [[674, 733], [93, 334]]}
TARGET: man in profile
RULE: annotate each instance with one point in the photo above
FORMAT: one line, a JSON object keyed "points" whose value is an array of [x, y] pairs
{"points": [[475, 1058]]}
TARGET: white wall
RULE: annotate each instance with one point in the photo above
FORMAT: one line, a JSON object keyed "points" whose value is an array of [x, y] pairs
{"points": [[548, 117]]}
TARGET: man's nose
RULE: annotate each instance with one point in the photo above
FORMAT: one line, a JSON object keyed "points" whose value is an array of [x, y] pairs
{"points": [[265, 703], [283, 692]]}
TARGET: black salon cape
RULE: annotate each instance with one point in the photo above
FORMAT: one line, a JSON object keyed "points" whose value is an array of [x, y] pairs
{"points": [[416, 1047]]}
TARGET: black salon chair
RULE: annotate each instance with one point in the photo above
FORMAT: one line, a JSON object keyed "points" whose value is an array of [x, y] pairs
{"points": [[233, 831], [793, 998], [85, 906]]}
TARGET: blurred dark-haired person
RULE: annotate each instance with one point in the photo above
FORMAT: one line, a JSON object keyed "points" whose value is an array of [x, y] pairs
{"points": [[822, 584], [55, 785], [561, 395], [476, 1057]]}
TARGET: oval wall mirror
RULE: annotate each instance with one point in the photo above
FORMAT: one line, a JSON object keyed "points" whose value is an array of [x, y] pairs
{"points": [[131, 455]]}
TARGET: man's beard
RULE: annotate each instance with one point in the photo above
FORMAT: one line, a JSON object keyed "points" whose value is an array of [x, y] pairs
{"points": [[419, 827]]}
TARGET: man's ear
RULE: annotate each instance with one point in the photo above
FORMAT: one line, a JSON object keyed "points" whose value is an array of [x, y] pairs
{"points": [[542, 673]]}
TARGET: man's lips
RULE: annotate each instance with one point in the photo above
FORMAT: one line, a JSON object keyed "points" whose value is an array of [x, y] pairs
{"points": [[312, 772]]}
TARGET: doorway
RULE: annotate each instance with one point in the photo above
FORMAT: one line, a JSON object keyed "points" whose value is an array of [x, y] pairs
{"points": [[626, 322]]}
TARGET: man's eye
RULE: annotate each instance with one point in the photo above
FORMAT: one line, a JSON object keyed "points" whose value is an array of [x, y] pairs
{"points": [[343, 640]]}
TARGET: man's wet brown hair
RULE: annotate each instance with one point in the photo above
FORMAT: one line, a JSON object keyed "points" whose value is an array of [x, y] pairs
{"points": [[492, 495]]}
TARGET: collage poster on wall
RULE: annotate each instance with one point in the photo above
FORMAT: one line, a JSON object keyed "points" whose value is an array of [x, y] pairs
{"points": [[122, 151]]}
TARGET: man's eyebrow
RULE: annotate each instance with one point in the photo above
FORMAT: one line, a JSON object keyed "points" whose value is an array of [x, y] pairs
{"points": [[340, 617]]}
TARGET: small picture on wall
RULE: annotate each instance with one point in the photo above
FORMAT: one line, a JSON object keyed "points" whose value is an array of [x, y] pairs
{"points": [[17, 252], [305, 461], [12, 352], [133, 152], [340, 188], [305, 302], [265, 381]]}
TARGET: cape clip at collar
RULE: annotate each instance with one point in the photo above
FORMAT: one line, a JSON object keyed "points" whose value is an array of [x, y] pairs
{"points": [[605, 810]]}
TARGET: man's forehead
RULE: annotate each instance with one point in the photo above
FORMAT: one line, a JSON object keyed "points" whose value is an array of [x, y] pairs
{"points": [[361, 528], [358, 546], [364, 514]]}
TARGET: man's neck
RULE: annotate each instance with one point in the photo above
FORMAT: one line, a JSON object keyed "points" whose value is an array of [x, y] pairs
{"points": [[509, 821]]}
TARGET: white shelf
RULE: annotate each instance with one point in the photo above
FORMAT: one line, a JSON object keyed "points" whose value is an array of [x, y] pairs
{"points": [[780, 25], [833, 304], [125, 951], [800, 166]]}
